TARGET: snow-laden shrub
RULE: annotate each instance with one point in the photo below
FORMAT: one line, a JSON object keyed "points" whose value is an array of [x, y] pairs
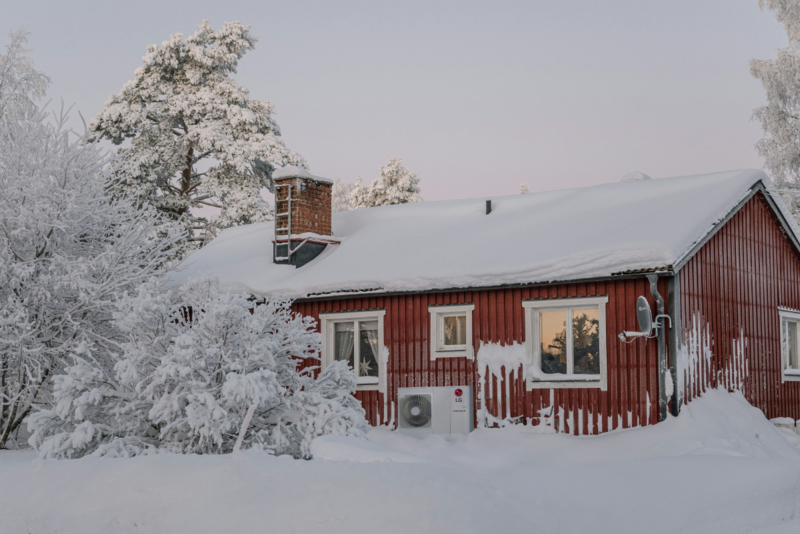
{"points": [[194, 360], [68, 249]]}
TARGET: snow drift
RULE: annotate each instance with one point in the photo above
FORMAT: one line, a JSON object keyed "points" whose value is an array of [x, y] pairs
{"points": [[720, 467]]}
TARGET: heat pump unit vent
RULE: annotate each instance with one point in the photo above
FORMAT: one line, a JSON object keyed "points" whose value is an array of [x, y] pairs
{"points": [[416, 411], [441, 410]]}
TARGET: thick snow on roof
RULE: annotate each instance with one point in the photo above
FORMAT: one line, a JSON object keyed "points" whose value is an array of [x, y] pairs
{"points": [[561, 235]]}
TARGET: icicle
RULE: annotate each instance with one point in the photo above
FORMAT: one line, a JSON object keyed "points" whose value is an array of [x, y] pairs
{"points": [[508, 376]]}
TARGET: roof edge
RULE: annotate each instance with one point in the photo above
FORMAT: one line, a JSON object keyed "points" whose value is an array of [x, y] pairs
{"points": [[380, 292], [779, 207]]}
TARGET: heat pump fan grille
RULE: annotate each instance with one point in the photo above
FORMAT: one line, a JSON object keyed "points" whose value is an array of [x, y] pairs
{"points": [[416, 411]]}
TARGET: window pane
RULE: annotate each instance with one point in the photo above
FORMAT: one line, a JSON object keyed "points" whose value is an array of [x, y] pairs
{"points": [[344, 342], [554, 341], [369, 349], [792, 342], [455, 330], [586, 341]]}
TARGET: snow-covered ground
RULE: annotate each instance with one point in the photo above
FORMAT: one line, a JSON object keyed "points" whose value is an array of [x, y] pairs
{"points": [[720, 467]]}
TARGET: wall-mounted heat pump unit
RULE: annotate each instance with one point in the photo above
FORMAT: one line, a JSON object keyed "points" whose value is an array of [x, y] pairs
{"points": [[446, 410]]}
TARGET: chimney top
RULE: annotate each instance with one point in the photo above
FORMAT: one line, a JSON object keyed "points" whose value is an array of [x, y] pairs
{"points": [[292, 171]]}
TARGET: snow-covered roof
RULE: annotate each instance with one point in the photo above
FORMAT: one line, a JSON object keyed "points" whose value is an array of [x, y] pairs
{"points": [[292, 171], [571, 234]]}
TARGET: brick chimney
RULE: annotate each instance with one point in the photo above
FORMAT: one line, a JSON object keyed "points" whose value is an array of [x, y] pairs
{"points": [[302, 216]]}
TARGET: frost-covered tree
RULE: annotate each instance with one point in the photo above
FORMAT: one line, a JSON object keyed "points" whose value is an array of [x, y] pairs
{"points": [[396, 185], [20, 83], [780, 117], [341, 194], [195, 361], [196, 138], [67, 254], [523, 188]]}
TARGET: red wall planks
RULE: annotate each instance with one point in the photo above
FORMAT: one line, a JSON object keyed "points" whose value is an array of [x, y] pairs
{"points": [[733, 287], [499, 318]]}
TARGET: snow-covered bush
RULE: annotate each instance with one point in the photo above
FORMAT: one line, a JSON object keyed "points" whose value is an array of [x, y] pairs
{"points": [[194, 360], [196, 137], [67, 250], [396, 185]]}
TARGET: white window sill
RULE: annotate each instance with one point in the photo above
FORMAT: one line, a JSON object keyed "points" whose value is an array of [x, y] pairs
{"points": [[369, 387], [558, 377], [367, 380], [560, 381], [791, 375], [575, 384], [451, 353]]}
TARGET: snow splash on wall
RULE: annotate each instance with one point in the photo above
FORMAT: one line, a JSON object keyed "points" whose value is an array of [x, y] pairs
{"points": [[694, 358], [501, 367], [696, 362], [504, 363], [737, 369]]}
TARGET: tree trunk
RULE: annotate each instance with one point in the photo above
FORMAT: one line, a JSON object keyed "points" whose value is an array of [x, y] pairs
{"points": [[186, 178]]}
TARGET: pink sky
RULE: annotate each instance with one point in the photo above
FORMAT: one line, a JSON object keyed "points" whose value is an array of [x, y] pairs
{"points": [[476, 97]]}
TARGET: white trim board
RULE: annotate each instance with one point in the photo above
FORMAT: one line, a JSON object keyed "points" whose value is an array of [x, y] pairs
{"points": [[326, 319], [437, 314], [788, 375]]}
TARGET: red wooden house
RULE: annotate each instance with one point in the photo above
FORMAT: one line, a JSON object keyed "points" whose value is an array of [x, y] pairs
{"points": [[523, 297]]}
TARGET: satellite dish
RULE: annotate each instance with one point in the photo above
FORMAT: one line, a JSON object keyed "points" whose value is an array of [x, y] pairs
{"points": [[644, 316]]}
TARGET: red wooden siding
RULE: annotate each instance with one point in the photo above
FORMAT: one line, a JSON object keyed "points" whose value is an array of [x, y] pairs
{"points": [[632, 396], [733, 286]]}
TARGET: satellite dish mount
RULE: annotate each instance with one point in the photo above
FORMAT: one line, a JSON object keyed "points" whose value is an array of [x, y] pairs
{"points": [[648, 327]]}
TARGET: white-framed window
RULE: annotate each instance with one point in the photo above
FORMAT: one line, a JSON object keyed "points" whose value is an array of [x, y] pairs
{"points": [[790, 345], [356, 337], [451, 331], [566, 341]]}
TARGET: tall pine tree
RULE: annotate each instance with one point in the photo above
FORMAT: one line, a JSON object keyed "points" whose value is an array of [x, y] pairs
{"points": [[196, 137]]}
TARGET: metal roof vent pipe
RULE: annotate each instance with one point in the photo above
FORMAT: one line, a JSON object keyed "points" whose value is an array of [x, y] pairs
{"points": [[488, 207], [635, 177]]}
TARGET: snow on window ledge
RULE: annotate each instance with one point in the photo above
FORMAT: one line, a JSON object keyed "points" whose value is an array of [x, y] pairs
{"points": [[557, 377], [363, 380]]}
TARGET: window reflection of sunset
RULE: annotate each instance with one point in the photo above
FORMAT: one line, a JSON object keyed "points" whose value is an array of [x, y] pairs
{"points": [[553, 337]]}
